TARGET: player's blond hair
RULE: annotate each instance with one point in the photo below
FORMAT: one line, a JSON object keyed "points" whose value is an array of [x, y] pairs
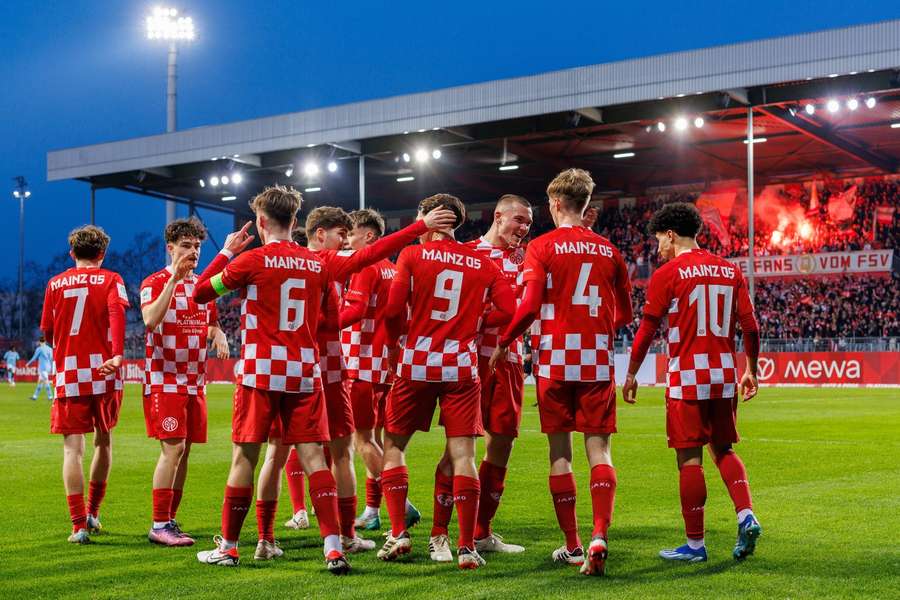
{"points": [[185, 228], [445, 201], [327, 217], [573, 188], [88, 242], [279, 203]]}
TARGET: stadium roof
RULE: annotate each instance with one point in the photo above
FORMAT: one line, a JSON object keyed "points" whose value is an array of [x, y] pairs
{"points": [[575, 117]]}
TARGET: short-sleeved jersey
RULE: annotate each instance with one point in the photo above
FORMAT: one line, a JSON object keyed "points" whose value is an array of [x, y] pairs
{"points": [[702, 295], [175, 356], [11, 358], [76, 310], [512, 264], [450, 286], [331, 357], [574, 334], [282, 285], [43, 355], [364, 343]]}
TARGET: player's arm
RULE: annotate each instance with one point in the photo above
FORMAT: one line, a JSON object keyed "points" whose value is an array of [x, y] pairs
{"points": [[356, 298], [624, 310], [331, 311], [116, 302], [235, 243], [153, 309], [398, 296], [216, 335], [236, 275], [34, 356], [659, 295], [345, 264], [749, 383], [47, 317], [504, 303], [535, 277]]}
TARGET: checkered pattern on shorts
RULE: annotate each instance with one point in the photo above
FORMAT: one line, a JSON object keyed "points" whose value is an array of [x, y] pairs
{"points": [[422, 361], [574, 357], [702, 376]]}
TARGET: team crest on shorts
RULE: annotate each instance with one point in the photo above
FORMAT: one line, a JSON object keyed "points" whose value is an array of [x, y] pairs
{"points": [[170, 424]]}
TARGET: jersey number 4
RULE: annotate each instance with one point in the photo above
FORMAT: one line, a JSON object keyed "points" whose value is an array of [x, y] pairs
{"points": [[587, 295], [706, 297]]}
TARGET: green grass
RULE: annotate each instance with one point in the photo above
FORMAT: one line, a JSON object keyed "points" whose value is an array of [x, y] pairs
{"points": [[824, 467]]}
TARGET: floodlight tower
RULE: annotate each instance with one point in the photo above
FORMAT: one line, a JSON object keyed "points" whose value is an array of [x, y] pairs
{"points": [[20, 193], [164, 23]]}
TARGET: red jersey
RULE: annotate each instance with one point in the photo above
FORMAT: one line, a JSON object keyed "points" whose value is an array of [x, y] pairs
{"points": [[282, 286], [76, 311], [584, 278], [176, 349], [449, 287], [365, 342], [703, 296], [512, 264]]}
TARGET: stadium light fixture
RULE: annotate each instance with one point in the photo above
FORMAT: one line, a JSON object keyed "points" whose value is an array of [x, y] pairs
{"points": [[289, 171], [202, 183], [310, 169], [810, 109], [852, 104], [332, 166], [758, 140], [870, 102], [661, 126], [228, 198], [508, 167], [436, 154], [165, 24], [405, 178], [406, 157], [421, 155], [623, 155], [699, 122], [895, 125], [236, 178], [224, 179], [681, 123], [833, 106], [214, 181], [312, 189]]}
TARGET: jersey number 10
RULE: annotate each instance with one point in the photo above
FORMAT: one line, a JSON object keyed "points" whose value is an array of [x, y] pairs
{"points": [[706, 297]]}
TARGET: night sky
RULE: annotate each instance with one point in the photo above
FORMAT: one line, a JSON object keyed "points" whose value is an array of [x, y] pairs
{"points": [[77, 73]]}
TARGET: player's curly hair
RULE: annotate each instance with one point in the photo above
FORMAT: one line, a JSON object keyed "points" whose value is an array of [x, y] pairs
{"points": [[327, 217], [370, 218], [279, 203], [185, 228], [573, 188], [680, 217], [88, 242], [445, 201]]}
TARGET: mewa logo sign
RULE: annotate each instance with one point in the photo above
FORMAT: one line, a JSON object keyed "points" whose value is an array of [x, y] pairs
{"points": [[819, 368]]}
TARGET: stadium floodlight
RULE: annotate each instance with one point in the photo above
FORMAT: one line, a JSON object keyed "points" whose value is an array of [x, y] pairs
{"points": [[895, 125], [202, 183], [758, 140], [312, 189], [699, 122], [852, 104], [810, 109], [436, 153], [681, 123], [421, 155], [406, 178], [870, 102], [508, 167], [623, 155], [332, 166], [289, 171], [228, 198], [661, 126], [833, 106], [406, 157], [224, 179], [236, 178], [214, 181], [310, 169]]}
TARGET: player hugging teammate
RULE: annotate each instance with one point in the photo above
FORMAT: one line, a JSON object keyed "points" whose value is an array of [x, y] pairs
{"points": [[343, 351]]}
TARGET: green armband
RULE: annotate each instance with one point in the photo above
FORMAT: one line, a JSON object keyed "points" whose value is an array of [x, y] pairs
{"points": [[217, 284]]}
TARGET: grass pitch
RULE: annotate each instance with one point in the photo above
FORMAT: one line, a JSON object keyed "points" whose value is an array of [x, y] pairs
{"points": [[824, 468]]}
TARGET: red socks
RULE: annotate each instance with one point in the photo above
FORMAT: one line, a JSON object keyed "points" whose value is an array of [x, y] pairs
{"points": [[395, 486], [347, 514], [234, 511], [176, 502], [692, 487], [734, 475], [443, 502], [265, 519], [162, 504], [323, 493], [294, 471], [466, 491], [562, 488], [603, 497], [491, 477], [96, 492], [373, 492], [77, 512]]}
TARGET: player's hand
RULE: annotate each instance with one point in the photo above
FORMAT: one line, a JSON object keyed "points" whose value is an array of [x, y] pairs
{"points": [[184, 265], [220, 343], [590, 217], [749, 385], [629, 389], [238, 241], [440, 218], [500, 353], [111, 366]]}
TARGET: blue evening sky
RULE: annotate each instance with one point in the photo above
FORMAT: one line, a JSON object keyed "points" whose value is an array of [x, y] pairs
{"points": [[81, 72]]}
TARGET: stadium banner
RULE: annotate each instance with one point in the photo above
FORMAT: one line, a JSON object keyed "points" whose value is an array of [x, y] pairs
{"points": [[824, 263], [817, 369]]}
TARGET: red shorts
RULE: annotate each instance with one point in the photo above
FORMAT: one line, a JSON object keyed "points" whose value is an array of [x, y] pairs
{"points": [[368, 401], [84, 414], [176, 416], [294, 418], [583, 406], [410, 407], [501, 396], [340, 409], [693, 423]]}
